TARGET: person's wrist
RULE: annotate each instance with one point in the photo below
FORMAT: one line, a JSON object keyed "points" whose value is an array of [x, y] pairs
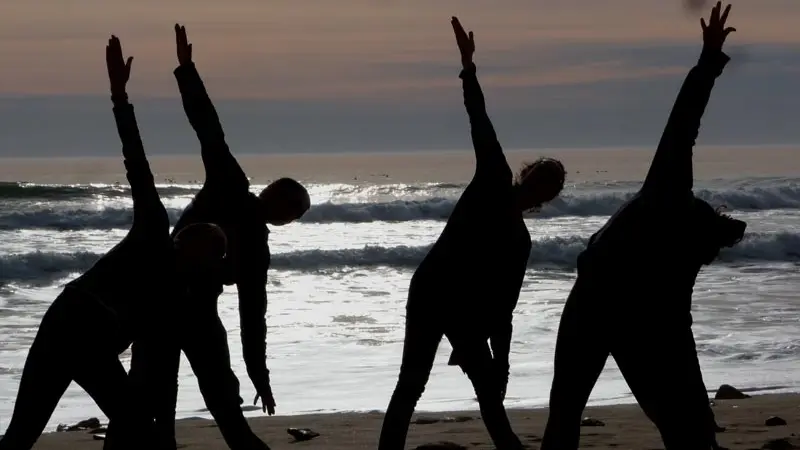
{"points": [[468, 68], [259, 373], [713, 56], [119, 95]]}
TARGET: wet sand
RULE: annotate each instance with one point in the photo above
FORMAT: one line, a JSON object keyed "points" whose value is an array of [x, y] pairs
{"points": [[626, 427], [456, 166]]}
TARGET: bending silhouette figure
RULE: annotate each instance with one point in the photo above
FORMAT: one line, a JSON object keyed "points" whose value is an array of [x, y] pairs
{"points": [[632, 297], [107, 306], [225, 199], [468, 285]]}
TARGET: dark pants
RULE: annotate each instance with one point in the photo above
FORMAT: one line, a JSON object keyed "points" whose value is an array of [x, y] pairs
{"points": [[58, 356], [424, 330], [654, 351], [203, 339], [155, 360]]}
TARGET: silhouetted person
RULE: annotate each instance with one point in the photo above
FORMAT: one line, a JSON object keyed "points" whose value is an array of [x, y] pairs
{"points": [[225, 199], [468, 285], [109, 306], [632, 298]]}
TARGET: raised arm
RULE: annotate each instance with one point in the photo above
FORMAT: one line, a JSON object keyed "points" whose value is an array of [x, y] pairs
{"points": [[148, 211], [151, 373], [670, 176], [221, 166], [488, 152]]}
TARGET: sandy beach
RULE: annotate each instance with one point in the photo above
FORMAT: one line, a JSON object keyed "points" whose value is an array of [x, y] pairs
{"points": [[440, 166], [625, 427]]}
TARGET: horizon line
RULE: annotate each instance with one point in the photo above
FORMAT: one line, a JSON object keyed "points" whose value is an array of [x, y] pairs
{"points": [[351, 153]]}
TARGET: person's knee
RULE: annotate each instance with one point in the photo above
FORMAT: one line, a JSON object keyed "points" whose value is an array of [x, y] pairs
{"points": [[223, 401], [218, 383], [411, 383], [480, 373]]}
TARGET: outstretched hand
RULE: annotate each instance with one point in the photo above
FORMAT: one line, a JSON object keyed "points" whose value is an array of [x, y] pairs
{"points": [[466, 42], [119, 70], [264, 391], [715, 32], [182, 45]]}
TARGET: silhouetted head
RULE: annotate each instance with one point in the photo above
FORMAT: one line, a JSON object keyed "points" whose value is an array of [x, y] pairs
{"points": [[200, 249], [539, 182], [284, 200], [715, 231]]}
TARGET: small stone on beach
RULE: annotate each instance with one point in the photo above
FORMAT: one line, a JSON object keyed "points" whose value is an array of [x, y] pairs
{"points": [[457, 419], [775, 421], [441, 446], [90, 423], [302, 434], [728, 392], [590, 422], [425, 420]]}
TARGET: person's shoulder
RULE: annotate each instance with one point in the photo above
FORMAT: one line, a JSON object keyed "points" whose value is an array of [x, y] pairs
{"points": [[251, 207], [251, 217], [494, 170]]}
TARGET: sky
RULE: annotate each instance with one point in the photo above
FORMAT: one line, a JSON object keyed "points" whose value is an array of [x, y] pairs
{"points": [[324, 75]]}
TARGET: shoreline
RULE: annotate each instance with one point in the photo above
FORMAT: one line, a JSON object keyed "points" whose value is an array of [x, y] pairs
{"points": [[625, 426], [583, 165]]}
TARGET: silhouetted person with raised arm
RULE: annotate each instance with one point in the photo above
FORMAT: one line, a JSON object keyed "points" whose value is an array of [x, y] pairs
{"points": [[225, 199], [632, 298], [468, 285], [110, 305]]}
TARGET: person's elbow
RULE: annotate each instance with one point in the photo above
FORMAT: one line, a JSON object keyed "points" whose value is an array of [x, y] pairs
{"points": [[252, 304]]}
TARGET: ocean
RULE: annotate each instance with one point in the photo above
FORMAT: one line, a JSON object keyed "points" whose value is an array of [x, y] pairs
{"points": [[339, 276]]}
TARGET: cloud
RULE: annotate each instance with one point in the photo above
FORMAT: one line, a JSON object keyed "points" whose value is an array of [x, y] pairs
{"points": [[284, 48]]}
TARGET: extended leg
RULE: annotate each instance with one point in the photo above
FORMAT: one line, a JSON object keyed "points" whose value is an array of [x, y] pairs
{"points": [[422, 338], [702, 393], [44, 380], [476, 360], [580, 355], [206, 348], [155, 361], [104, 378], [662, 375]]}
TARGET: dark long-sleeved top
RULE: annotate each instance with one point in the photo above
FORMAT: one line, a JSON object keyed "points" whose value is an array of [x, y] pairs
{"points": [[225, 199], [123, 280], [478, 263], [645, 242]]}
